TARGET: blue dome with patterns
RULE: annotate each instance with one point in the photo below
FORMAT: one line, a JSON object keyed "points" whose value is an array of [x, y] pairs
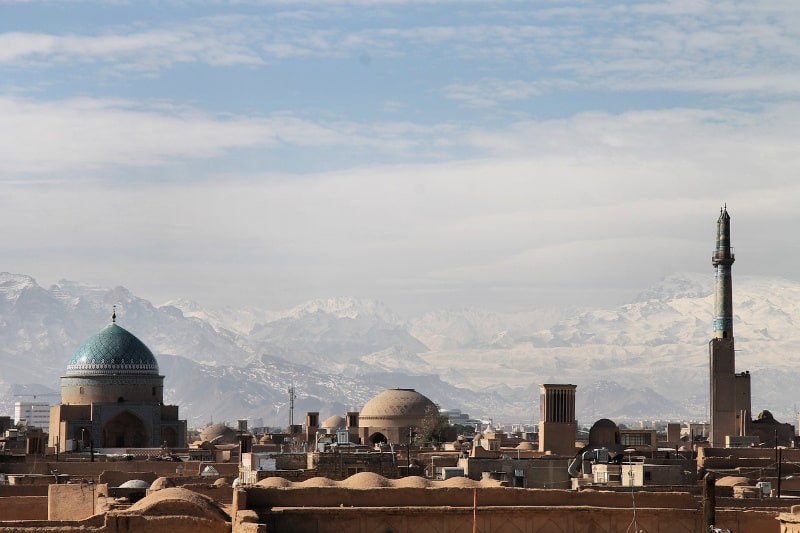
{"points": [[113, 350]]}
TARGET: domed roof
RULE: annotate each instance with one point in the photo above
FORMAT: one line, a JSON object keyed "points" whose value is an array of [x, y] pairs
{"points": [[365, 480], [135, 484], [162, 483], [177, 501], [219, 433], [396, 404], [113, 350], [333, 422], [733, 481]]}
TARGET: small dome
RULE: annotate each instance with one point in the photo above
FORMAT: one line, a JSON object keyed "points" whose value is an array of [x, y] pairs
{"points": [[765, 416], [176, 501], [412, 482], [604, 432], [365, 480], [162, 483], [458, 482], [318, 482], [333, 422], [218, 434], [396, 408], [277, 482], [113, 350], [135, 484], [733, 481]]}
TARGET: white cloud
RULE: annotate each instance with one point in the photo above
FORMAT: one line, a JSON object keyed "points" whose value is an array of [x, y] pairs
{"points": [[607, 200], [491, 92], [676, 46], [175, 199], [86, 134], [217, 45], [89, 136]]}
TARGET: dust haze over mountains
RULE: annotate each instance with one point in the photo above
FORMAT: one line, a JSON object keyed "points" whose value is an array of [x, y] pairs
{"points": [[646, 359]]}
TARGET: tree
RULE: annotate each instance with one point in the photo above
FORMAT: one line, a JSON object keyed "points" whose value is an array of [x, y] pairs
{"points": [[434, 426], [466, 430]]}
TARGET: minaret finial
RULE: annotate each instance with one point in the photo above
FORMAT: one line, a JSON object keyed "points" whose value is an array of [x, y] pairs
{"points": [[114, 315]]}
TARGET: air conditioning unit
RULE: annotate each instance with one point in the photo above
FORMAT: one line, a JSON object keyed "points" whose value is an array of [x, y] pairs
{"points": [[766, 488]]}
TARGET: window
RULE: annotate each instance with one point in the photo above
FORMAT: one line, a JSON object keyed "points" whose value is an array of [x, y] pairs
{"points": [[635, 439]]}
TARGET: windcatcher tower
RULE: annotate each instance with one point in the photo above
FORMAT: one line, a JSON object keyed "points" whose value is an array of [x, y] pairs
{"points": [[730, 392], [557, 423]]}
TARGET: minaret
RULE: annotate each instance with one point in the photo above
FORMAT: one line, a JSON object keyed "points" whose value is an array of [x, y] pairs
{"points": [[729, 391], [723, 288]]}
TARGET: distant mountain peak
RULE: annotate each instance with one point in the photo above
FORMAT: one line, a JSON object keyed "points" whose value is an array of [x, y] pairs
{"points": [[346, 307], [643, 359], [680, 285], [12, 285]]}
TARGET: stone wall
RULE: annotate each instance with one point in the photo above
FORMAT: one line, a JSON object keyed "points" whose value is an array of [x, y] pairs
{"points": [[76, 501], [450, 509], [23, 490], [120, 523], [487, 520], [23, 508], [266, 497], [92, 470], [530, 520]]}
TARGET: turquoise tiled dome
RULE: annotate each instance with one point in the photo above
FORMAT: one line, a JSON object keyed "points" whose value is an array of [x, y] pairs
{"points": [[113, 350]]}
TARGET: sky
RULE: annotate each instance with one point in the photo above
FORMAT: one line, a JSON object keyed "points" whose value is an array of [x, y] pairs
{"points": [[502, 154]]}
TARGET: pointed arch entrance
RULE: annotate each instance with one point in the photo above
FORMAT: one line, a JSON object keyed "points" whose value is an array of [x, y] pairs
{"points": [[169, 437], [126, 430], [378, 437]]}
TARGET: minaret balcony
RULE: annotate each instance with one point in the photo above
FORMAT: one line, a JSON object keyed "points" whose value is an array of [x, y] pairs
{"points": [[723, 256]]}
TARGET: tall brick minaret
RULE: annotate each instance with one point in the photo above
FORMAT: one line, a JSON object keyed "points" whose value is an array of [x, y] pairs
{"points": [[729, 392]]}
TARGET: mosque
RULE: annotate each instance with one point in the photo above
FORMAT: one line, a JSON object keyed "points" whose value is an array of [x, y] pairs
{"points": [[391, 415], [112, 396]]}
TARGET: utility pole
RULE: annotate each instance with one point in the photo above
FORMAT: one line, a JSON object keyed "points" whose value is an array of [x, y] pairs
{"points": [[709, 501], [780, 460], [291, 407], [408, 450]]}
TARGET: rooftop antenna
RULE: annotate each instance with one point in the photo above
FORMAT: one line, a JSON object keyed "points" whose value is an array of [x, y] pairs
{"points": [[291, 406]]}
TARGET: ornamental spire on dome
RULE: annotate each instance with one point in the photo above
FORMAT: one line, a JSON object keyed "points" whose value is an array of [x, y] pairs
{"points": [[114, 315]]}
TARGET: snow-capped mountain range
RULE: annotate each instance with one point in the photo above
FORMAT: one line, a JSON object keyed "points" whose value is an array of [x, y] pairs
{"points": [[647, 359]]}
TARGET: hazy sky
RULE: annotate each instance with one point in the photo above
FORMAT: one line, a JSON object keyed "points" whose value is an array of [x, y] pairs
{"points": [[506, 154]]}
